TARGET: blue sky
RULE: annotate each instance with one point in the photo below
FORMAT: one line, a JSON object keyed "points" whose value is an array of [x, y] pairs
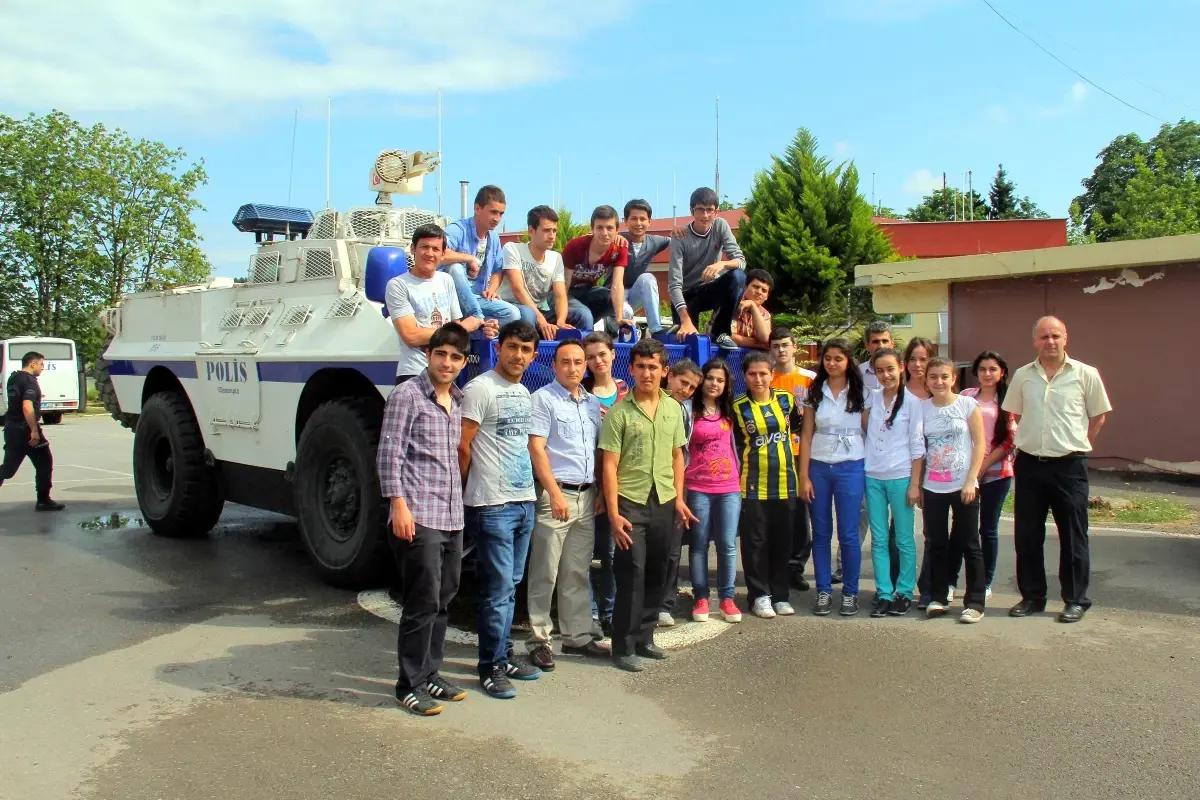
{"points": [[623, 91]]}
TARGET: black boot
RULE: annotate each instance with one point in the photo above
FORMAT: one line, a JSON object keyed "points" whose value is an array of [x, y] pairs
{"points": [[49, 505]]}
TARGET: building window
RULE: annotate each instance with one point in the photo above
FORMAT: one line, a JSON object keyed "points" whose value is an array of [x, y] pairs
{"points": [[901, 320]]}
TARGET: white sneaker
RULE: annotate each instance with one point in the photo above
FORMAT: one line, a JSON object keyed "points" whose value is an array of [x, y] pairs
{"points": [[935, 609], [987, 593], [665, 620], [762, 608], [970, 615], [784, 609]]}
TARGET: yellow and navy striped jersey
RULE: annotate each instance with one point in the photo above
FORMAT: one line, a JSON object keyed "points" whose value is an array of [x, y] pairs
{"points": [[764, 440]]}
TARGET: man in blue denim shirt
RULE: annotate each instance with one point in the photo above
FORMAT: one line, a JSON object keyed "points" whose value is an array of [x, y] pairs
{"points": [[473, 259], [493, 457]]}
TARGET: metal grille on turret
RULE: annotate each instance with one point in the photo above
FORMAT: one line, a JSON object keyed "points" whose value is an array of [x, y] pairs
{"points": [[368, 223], [232, 318], [325, 226], [256, 316], [415, 218], [318, 263], [296, 316], [264, 267], [344, 307]]}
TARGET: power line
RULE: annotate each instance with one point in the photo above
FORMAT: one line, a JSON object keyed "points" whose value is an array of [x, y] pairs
{"points": [[1124, 75], [1080, 75]]}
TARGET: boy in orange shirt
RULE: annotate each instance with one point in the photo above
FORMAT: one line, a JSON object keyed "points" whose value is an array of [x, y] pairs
{"points": [[795, 380]]}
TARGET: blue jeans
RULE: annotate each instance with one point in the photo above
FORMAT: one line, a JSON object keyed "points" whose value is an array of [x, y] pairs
{"points": [[472, 305], [596, 301], [502, 534], [716, 522], [882, 495], [604, 582], [581, 321], [644, 294], [721, 296], [841, 485]]}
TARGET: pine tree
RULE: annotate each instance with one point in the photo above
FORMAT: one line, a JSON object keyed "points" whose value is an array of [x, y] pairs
{"points": [[1002, 197], [807, 224]]}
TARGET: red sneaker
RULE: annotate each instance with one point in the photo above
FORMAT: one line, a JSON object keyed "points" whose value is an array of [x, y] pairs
{"points": [[700, 611], [729, 611]]}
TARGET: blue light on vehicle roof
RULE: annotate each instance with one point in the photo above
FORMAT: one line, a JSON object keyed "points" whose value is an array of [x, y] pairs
{"points": [[261, 219]]}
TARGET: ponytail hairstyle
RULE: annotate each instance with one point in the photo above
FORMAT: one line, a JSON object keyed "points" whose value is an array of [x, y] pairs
{"points": [[854, 380], [888, 352], [1000, 433]]}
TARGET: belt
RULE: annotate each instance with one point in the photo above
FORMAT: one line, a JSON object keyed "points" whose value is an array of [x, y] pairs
{"points": [[844, 436], [1068, 457], [575, 487]]}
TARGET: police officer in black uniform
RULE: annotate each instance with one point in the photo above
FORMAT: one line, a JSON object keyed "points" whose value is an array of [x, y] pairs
{"points": [[23, 435]]}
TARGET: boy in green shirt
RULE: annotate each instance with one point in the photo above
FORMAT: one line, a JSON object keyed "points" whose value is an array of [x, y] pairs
{"points": [[641, 444]]}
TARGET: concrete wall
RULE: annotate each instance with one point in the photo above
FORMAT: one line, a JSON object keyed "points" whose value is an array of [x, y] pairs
{"points": [[1134, 325]]}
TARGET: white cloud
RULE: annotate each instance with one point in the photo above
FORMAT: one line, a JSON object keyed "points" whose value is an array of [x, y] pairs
{"points": [[921, 182], [884, 10], [1073, 101], [246, 57], [843, 150]]}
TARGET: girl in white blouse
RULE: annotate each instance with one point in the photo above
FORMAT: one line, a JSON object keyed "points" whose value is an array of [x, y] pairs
{"points": [[831, 471], [954, 448], [895, 452]]}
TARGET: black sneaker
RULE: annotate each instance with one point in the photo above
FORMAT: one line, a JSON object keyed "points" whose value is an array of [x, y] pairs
{"points": [[824, 604], [849, 605], [879, 608], [442, 689], [497, 684], [542, 657], [522, 672], [799, 583], [899, 606], [49, 505], [420, 703]]}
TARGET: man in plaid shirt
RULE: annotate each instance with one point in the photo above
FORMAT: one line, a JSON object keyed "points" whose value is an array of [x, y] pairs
{"points": [[418, 473]]}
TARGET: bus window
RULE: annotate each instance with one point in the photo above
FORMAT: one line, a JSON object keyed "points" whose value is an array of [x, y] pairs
{"points": [[52, 351]]}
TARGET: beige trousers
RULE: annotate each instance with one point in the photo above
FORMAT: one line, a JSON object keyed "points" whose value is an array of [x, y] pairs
{"points": [[561, 554]]}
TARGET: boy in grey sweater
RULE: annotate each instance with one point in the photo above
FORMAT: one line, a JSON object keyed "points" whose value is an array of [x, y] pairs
{"points": [[700, 277]]}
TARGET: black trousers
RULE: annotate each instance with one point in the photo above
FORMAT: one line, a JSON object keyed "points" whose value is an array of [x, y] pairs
{"points": [[1058, 486], [17, 447], [671, 592], [765, 529], [801, 537], [429, 567], [641, 571], [944, 541]]}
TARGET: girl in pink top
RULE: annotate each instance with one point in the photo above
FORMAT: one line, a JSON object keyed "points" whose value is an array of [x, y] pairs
{"points": [[995, 477], [714, 490]]}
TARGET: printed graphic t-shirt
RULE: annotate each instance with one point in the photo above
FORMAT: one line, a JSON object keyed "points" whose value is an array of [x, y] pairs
{"points": [[947, 444], [501, 471], [586, 275], [432, 301], [539, 277], [712, 465]]}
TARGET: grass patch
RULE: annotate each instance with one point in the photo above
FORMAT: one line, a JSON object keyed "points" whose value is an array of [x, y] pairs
{"points": [[1148, 509]]}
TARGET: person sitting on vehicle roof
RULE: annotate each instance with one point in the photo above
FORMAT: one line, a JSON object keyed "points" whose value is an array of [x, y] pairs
{"points": [[472, 259]]}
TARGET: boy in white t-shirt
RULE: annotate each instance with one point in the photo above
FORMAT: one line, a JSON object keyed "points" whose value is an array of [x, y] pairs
{"points": [[534, 277], [422, 300]]}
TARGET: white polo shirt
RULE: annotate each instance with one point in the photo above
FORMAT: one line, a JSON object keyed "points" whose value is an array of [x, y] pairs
{"points": [[1055, 411]]}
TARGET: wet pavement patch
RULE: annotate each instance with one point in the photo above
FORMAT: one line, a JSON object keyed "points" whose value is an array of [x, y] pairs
{"points": [[114, 521]]}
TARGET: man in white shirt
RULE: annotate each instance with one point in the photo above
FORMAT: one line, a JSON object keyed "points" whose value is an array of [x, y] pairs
{"points": [[1060, 406], [422, 300], [535, 279]]}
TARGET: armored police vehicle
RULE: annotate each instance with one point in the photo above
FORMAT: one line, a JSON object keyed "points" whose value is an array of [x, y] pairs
{"points": [[270, 392]]}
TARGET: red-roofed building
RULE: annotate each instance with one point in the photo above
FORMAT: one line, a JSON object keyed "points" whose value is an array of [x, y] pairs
{"points": [[911, 240]]}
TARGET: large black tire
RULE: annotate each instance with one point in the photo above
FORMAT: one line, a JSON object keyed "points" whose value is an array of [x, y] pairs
{"points": [[108, 395], [176, 490], [339, 506], [51, 417]]}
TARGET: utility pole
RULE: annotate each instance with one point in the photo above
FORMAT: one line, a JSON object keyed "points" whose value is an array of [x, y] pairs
{"points": [[971, 192]]}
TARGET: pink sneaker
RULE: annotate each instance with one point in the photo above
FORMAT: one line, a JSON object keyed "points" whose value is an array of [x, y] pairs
{"points": [[700, 611], [729, 611]]}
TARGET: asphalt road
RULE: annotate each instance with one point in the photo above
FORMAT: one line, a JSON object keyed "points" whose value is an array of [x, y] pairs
{"points": [[134, 667]]}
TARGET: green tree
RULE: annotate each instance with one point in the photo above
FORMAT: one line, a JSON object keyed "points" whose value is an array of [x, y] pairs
{"points": [[807, 224], [1155, 204], [1104, 189], [1004, 202], [1077, 232], [87, 215], [725, 205], [945, 205]]}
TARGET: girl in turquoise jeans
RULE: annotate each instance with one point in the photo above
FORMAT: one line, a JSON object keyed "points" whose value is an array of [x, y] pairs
{"points": [[895, 454]]}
